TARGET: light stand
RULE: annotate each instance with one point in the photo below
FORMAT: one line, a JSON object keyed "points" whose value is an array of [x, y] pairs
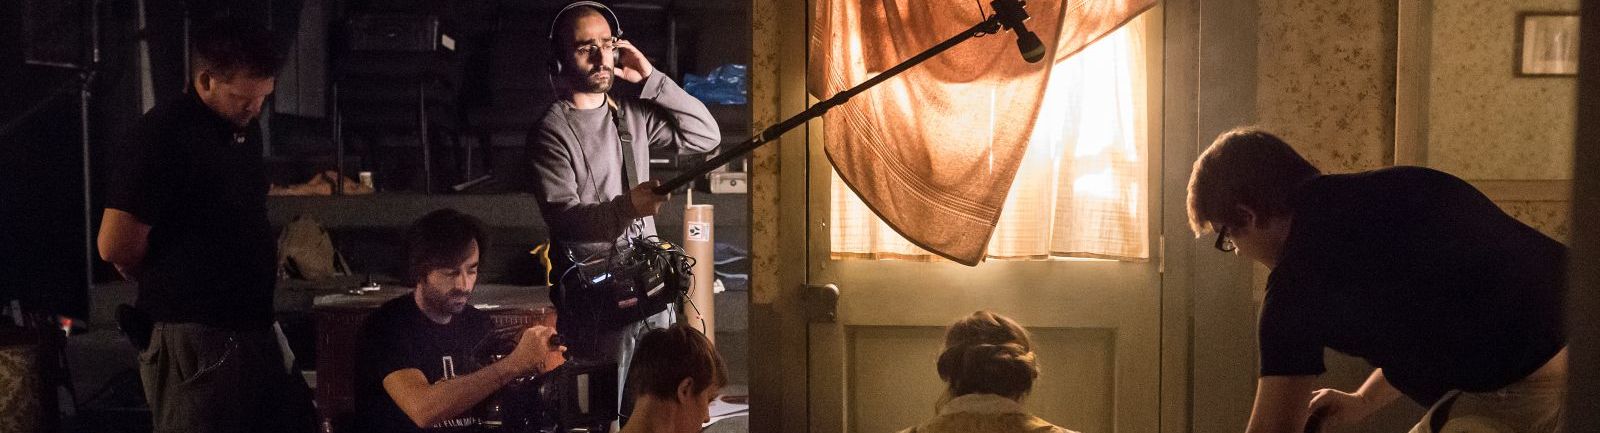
{"points": [[86, 77], [989, 26]]}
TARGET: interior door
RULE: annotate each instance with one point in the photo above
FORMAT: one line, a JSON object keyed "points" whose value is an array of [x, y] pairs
{"points": [[1095, 324]]}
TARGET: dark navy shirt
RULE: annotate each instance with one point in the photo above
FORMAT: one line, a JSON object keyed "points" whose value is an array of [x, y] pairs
{"points": [[1420, 274], [198, 181]]}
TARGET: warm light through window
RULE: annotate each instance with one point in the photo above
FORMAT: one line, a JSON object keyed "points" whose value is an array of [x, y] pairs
{"points": [[1081, 191]]}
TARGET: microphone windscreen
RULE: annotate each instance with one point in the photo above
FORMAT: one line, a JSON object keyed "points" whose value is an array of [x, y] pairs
{"points": [[1032, 49]]}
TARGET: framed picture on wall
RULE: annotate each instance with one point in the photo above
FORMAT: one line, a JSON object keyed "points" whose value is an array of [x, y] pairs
{"points": [[1547, 44]]}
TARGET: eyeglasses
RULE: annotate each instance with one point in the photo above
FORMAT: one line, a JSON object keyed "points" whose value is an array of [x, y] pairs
{"points": [[1224, 244], [590, 49]]}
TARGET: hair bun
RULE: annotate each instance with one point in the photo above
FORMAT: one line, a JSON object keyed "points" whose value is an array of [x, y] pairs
{"points": [[1005, 369], [996, 358], [990, 354]]}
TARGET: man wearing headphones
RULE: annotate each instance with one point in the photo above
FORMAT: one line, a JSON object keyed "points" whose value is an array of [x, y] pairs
{"points": [[591, 156]]}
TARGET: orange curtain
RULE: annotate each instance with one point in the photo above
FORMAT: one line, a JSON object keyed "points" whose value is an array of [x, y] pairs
{"points": [[933, 152], [1082, 189]]}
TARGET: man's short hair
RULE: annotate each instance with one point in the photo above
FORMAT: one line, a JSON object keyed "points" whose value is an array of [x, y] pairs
{"points": [[1244, 167], [232, 46], [667, 356], [441, 239], [567, 23]]}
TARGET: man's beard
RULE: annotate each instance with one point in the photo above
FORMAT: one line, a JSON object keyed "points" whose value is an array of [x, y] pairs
{"points": [[441, 301], [589, 82]]}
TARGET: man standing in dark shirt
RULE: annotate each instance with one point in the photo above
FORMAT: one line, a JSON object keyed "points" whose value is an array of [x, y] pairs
{"points": [[1456, 303], [186, 218], [416, 366]]}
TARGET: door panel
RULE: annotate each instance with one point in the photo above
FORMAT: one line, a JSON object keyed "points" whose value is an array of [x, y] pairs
{"points": [[1094, 323]]}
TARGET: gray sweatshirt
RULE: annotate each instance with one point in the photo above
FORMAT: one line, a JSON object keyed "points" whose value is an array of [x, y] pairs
{"points": [[577, 159]]}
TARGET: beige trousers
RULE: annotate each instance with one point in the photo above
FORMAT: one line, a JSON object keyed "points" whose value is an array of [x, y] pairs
{"points": [[1533, 405]]}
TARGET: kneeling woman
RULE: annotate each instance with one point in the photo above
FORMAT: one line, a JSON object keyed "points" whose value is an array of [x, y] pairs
{"points": [[989, 364]]}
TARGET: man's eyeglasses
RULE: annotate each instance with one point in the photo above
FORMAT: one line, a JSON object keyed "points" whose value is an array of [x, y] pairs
{"points": [[1224, 244], [590, 49]]}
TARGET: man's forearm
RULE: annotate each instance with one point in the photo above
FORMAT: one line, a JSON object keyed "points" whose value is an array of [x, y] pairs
{"points": [[123, 241], [1377, 390], [1280, 405], [696, 130], [449, 398], [591, 222], [561, 201], [129, 272]]}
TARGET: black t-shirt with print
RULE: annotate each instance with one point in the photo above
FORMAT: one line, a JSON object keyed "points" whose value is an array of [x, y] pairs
{"points": [[397, 337], [1420, 274]]}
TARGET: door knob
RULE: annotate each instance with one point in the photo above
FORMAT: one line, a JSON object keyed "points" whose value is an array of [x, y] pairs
{"points": [[822, 303]]}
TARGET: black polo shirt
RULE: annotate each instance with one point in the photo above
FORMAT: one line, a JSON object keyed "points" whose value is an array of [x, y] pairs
{"points": [[198, 181], [398, 337], [1420, 274]]}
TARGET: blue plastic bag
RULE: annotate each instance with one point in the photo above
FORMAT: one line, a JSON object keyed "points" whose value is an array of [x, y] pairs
{"points": [[724, 85]]}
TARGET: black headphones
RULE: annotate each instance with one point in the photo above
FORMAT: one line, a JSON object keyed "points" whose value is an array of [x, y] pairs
{"points": [[557, 51]]}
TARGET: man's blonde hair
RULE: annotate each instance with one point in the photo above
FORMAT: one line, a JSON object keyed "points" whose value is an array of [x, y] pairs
{"points": [[667, 356], [1246, 167]]}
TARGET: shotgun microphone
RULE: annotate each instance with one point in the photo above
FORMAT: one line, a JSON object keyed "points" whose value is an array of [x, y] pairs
{"points": [[1012, 13]]}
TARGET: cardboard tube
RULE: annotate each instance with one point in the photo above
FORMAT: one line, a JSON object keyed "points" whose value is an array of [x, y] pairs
{"points": [[699, 242]]}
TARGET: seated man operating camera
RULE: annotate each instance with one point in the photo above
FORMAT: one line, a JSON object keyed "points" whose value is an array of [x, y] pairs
{"points": [[417, 369]]}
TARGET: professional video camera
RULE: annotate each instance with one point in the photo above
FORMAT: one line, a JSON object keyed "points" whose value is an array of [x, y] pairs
{"points": [[640, 277], [568, 396], [634, 280]]}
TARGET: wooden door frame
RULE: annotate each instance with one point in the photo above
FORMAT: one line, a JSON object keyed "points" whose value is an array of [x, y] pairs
{"points": [[778, 348], [1583, 297]]}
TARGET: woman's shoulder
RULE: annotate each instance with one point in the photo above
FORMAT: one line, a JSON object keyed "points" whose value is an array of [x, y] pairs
{"points": [[986, 423], [1039, 425]]}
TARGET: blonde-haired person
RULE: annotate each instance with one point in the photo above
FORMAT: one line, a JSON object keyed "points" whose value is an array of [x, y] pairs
{"points": [[676, 374], [989, 364], [1456, 303]]}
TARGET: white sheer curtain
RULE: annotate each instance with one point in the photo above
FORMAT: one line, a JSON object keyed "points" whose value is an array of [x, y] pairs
{"points": [[1082, 188]]}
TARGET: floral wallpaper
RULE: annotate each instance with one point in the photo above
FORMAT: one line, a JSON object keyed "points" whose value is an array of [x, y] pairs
{"points": [[1484, 122], [1326, 79], [764, 65], [1553, 218]]}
